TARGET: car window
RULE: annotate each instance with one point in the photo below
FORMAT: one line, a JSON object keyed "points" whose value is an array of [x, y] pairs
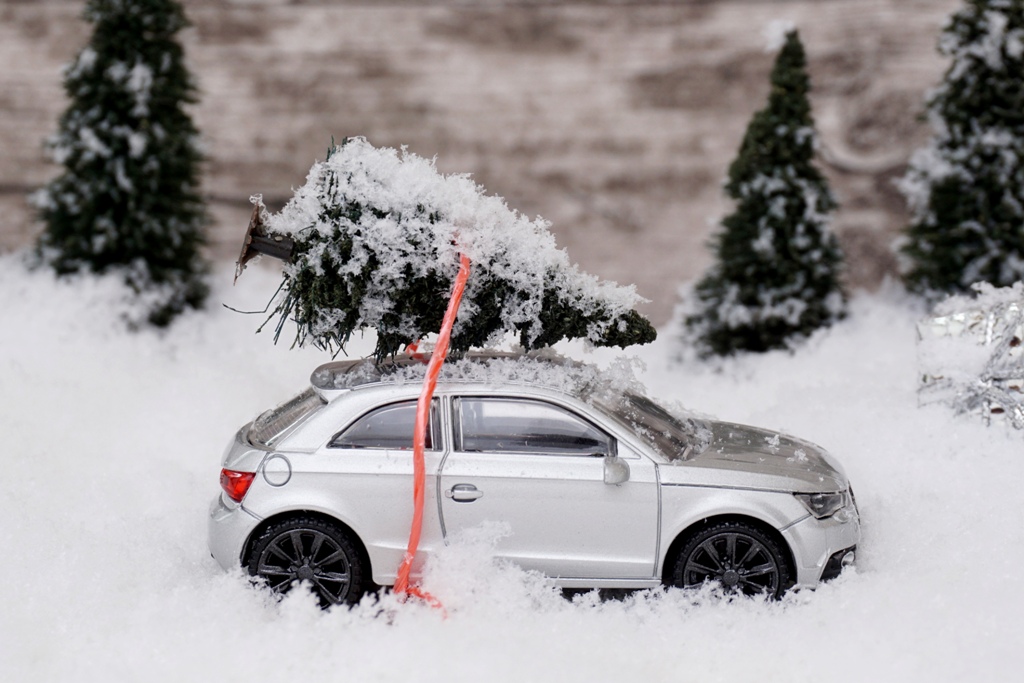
{"points": [[676, 436], [389, 426], [268, 427], [500, 425]]}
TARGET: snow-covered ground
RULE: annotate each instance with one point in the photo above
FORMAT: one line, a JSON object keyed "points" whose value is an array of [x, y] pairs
{"points": [[111, 448]]}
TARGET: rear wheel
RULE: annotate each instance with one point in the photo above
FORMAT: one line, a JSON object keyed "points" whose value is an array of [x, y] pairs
{"points": [[311, 551], [737, 556]]}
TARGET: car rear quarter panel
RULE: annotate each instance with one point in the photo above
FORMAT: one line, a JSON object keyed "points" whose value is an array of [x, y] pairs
{"points": [[372, 496], [240, 455]]}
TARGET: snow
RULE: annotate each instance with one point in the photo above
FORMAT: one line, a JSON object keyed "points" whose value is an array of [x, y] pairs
{"points": [[494, 367], [413, 222], [112, 451], [91, 144], [139, 84], [85, 61]]}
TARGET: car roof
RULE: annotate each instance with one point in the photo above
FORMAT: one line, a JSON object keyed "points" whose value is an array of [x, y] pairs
{"points": [[493, 368]]}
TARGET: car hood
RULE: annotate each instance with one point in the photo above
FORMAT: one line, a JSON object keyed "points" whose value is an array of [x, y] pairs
{"points": [[749, 457]]}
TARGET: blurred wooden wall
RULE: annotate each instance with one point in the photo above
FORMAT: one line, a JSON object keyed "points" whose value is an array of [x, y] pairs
{"points": [[614, 120]]}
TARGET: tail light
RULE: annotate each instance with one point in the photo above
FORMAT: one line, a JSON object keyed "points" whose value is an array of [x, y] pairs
{"points": [[236, 484]]}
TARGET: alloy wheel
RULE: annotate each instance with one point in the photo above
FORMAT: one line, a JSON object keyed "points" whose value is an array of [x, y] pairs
{"points": [[320, 557], [737, 557]]}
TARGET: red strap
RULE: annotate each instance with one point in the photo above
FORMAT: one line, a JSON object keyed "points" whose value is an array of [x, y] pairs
{"points": [[413, 352], [420, 432]]}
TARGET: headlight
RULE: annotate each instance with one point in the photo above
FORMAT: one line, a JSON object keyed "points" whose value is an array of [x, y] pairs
{"points": [[823, 505]]}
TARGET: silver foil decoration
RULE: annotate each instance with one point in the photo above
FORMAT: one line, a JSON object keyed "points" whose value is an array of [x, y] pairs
{"points": [[971, 354]]}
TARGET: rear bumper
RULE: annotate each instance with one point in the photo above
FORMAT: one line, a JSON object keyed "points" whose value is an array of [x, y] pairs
{"points": [[229, 527]]}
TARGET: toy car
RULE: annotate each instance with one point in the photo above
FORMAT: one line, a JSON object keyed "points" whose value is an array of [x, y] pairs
{"points": [[596, 485]]}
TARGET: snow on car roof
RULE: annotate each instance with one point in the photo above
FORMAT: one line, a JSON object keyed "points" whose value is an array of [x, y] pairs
{"points": [[545, 369]]}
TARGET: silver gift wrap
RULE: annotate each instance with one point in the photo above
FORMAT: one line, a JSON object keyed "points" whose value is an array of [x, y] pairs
{"points": [[971, 356]]}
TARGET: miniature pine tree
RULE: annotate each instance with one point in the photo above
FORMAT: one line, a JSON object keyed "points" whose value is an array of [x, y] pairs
{"points": [[377, 236], [966, 188], [128, 199], [776, 275]]}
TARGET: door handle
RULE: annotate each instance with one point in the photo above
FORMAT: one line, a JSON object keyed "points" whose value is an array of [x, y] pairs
{"points": [[463, 493]]}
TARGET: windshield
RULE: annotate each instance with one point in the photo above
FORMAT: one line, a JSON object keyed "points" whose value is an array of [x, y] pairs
{"points": [[270, 425], [673, 435]]}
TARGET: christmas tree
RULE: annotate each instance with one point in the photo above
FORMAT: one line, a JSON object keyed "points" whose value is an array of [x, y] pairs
{"points": [[374, 241], [776, 275], [966, 188], [128, 200]]}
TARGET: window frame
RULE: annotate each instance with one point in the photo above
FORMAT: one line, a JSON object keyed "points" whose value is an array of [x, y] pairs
{"points": [[436, 434], [458, 436]]}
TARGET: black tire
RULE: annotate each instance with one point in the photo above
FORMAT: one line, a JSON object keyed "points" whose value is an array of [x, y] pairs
{"points": [[736, 555], [312, 551]]}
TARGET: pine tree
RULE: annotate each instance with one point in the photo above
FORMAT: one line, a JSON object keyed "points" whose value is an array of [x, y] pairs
{"points": [[128, 199], [374, 241], [966, 188], [776, 275]]}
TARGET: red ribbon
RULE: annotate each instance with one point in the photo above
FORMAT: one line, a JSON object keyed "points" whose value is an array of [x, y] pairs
{"points": [[437, 358]]}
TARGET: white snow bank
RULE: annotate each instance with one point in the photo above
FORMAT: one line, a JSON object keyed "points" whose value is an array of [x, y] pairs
{"points": [[112, 443]]}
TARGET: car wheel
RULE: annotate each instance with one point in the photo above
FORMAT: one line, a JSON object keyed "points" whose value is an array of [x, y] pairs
{"points": [[311, 551], [738, 556]]}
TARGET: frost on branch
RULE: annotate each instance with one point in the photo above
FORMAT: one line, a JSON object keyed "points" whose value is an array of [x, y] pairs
{"points": [[377, 236], [971, 356]]}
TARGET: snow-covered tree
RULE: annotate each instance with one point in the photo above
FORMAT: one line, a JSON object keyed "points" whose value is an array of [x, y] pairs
{"points": [[776, 275], [128, 199], [966, 188], [377, 238]]}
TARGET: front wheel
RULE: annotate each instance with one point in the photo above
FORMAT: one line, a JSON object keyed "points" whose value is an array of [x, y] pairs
{"points": [[311, 551], [737, 556]]}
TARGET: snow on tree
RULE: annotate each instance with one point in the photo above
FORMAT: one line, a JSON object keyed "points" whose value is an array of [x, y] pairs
{"points": [[966, 188], [375, 238], [128, 200], [776, 275]]}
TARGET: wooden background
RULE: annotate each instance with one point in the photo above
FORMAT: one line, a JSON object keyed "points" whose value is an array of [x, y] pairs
{"points": [[614, 120]]}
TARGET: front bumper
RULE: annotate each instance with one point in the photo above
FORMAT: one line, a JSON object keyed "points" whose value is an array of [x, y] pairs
{"points": [[820, 546], [229, 526], [839, 561]]}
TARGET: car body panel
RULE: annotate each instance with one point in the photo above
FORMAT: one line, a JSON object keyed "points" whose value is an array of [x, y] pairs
{"points": [[815, 540], [228, 529], [552, 513], [748, 457], [242, 456], [369, 491], [560, 517]]}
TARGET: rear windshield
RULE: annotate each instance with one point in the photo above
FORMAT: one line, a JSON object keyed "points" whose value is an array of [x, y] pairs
{"points": [[272, 424]]}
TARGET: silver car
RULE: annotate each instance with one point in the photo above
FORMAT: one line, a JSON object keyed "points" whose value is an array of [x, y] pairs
{"points": [[594, 484]]}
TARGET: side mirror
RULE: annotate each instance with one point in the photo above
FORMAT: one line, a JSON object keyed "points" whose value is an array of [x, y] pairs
{"points": [[616, 470]]}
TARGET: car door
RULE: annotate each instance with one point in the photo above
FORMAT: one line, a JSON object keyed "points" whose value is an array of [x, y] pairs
{"points": [[366, 470], [537, 468]]}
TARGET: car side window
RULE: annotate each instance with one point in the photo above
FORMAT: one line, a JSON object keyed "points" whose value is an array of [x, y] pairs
{"points": [[387, 427], [512, 425]]}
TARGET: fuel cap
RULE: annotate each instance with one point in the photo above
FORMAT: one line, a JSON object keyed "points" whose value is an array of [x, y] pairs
{"points": [[277, 471]]}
